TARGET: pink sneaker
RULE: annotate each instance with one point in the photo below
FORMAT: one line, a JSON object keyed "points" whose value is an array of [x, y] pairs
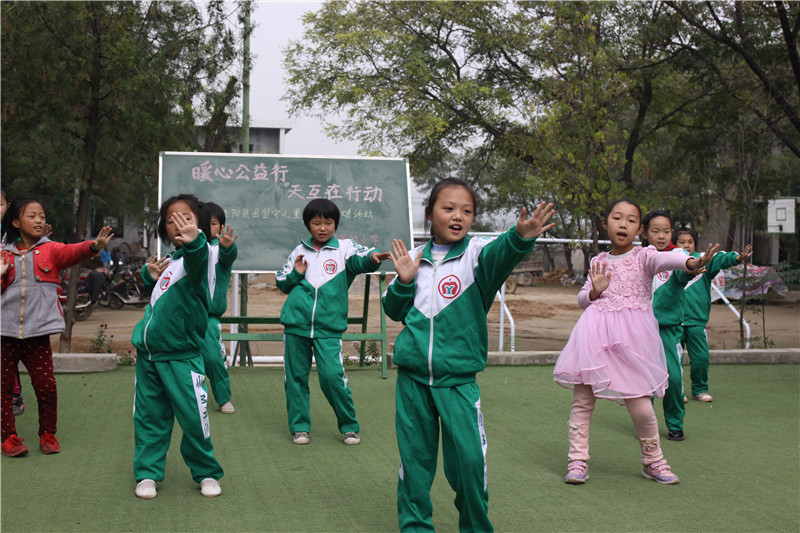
{"points": [[577, 473], [660, 472]]}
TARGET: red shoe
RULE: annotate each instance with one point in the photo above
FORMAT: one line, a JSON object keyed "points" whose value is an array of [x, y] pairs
{"points": [[13, 447], [48, 444]]}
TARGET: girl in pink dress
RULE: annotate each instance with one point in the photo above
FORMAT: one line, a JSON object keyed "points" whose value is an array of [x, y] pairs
{"points": [[614, 351]]}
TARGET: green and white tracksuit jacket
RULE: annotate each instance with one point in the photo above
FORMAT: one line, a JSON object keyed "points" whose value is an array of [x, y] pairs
{"points": [[314, 317], [697, 296], [170, 375], [439, 352], [214, 355], [668, 306]]}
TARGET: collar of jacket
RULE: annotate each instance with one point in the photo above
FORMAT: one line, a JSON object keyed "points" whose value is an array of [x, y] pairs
{"points": [[332, 243], [456, 251], [12, 247]]}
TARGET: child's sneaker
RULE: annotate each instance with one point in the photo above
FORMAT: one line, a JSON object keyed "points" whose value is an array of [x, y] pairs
{"points": [[577, 473], [13, 447], [19, 405], [660, 472], [227, 408], [703, 397], [675, 434], [210, 488], [146, 489], [301, 437], [48, 444], [352, 438]]}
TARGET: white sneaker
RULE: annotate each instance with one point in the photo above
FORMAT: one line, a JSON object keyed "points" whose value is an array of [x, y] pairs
{"points": [[210, 488], [146, 489], [352, 438], [301, 437], [227, 408]]}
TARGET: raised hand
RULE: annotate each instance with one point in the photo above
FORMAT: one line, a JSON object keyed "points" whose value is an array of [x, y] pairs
{"points": [[187, 229], [600, 279], [226, 237], [535, 225], [696, 265], [102, 238], [745, 255], [405, 267], [156, 266], [300, 264], [379, 257]]}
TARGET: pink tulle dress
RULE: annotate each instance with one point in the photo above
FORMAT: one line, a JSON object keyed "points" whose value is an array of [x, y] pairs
{"points": [[615, 347]]}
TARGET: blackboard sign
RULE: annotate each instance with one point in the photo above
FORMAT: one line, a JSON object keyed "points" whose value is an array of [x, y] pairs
{"points": [[263, 196]]}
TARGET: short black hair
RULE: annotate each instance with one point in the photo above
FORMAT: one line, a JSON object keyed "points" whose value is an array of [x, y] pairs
{"points": [[203, 223], [649, 217], [215, 211], [13, 212], [684, 230], [322, 207]]}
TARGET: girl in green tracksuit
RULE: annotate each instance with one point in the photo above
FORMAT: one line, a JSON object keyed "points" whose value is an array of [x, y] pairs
{"points": [[442, 293], [170, 375], [668, 306], [697, 297], [317, 276], [222, 254]]}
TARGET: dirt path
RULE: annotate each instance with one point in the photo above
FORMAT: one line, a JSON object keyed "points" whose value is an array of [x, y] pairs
{"points": [[544, 316]]}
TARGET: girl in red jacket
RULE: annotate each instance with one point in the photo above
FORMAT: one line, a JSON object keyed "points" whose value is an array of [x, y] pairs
{"points": [[31, 312]]}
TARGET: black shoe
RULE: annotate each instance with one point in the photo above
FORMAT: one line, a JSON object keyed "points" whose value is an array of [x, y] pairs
{"points": [[675, 435]]}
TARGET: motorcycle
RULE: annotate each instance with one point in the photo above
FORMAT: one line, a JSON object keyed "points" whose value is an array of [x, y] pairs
{"points": [[123, 288], [88, 292]]}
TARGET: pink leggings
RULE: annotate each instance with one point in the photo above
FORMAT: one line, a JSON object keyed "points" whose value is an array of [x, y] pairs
{"points": [[640, 409]]}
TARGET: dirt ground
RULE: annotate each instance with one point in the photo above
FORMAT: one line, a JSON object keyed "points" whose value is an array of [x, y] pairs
{"points": [[544, 315]]}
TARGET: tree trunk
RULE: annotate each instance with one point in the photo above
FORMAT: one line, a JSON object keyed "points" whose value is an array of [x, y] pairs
{"points": [[568, 258], [90, 152]]}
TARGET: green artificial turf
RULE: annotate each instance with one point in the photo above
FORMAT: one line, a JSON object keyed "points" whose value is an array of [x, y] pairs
{"points": [[739, 465]]}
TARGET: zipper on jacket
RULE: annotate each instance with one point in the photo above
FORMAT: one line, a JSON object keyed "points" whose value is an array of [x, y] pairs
{"points": [[144, 337], [316, 291], [430, 340], [22, 307]]}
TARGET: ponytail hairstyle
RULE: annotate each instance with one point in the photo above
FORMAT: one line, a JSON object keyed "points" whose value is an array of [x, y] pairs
{"points": [[15, 209], [434, 195]]}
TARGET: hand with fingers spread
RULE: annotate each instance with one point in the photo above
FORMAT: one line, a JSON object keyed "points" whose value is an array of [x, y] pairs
{"points": [[405, 267], [600, 279], [187, 228], [745, 255], [537, 224], [102, 239], [300, 264], [696, 265], [226, 237], [156, 266]]}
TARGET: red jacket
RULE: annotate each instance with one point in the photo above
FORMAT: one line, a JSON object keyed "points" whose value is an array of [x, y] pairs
{"points": [[30, 305]]}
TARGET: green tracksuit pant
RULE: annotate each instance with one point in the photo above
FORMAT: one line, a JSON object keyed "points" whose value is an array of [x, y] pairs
{"points": [[674, 408], [696, 341], [420, 412], [327, 352], [165, 391], [214, 360]]}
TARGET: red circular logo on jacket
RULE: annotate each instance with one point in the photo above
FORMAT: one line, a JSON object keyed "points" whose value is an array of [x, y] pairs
{"points": [[330, 266], [450, 287], [164, 282]]}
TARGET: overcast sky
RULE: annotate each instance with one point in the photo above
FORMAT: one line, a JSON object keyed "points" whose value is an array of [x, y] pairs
{"points": [[276, 23]]}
